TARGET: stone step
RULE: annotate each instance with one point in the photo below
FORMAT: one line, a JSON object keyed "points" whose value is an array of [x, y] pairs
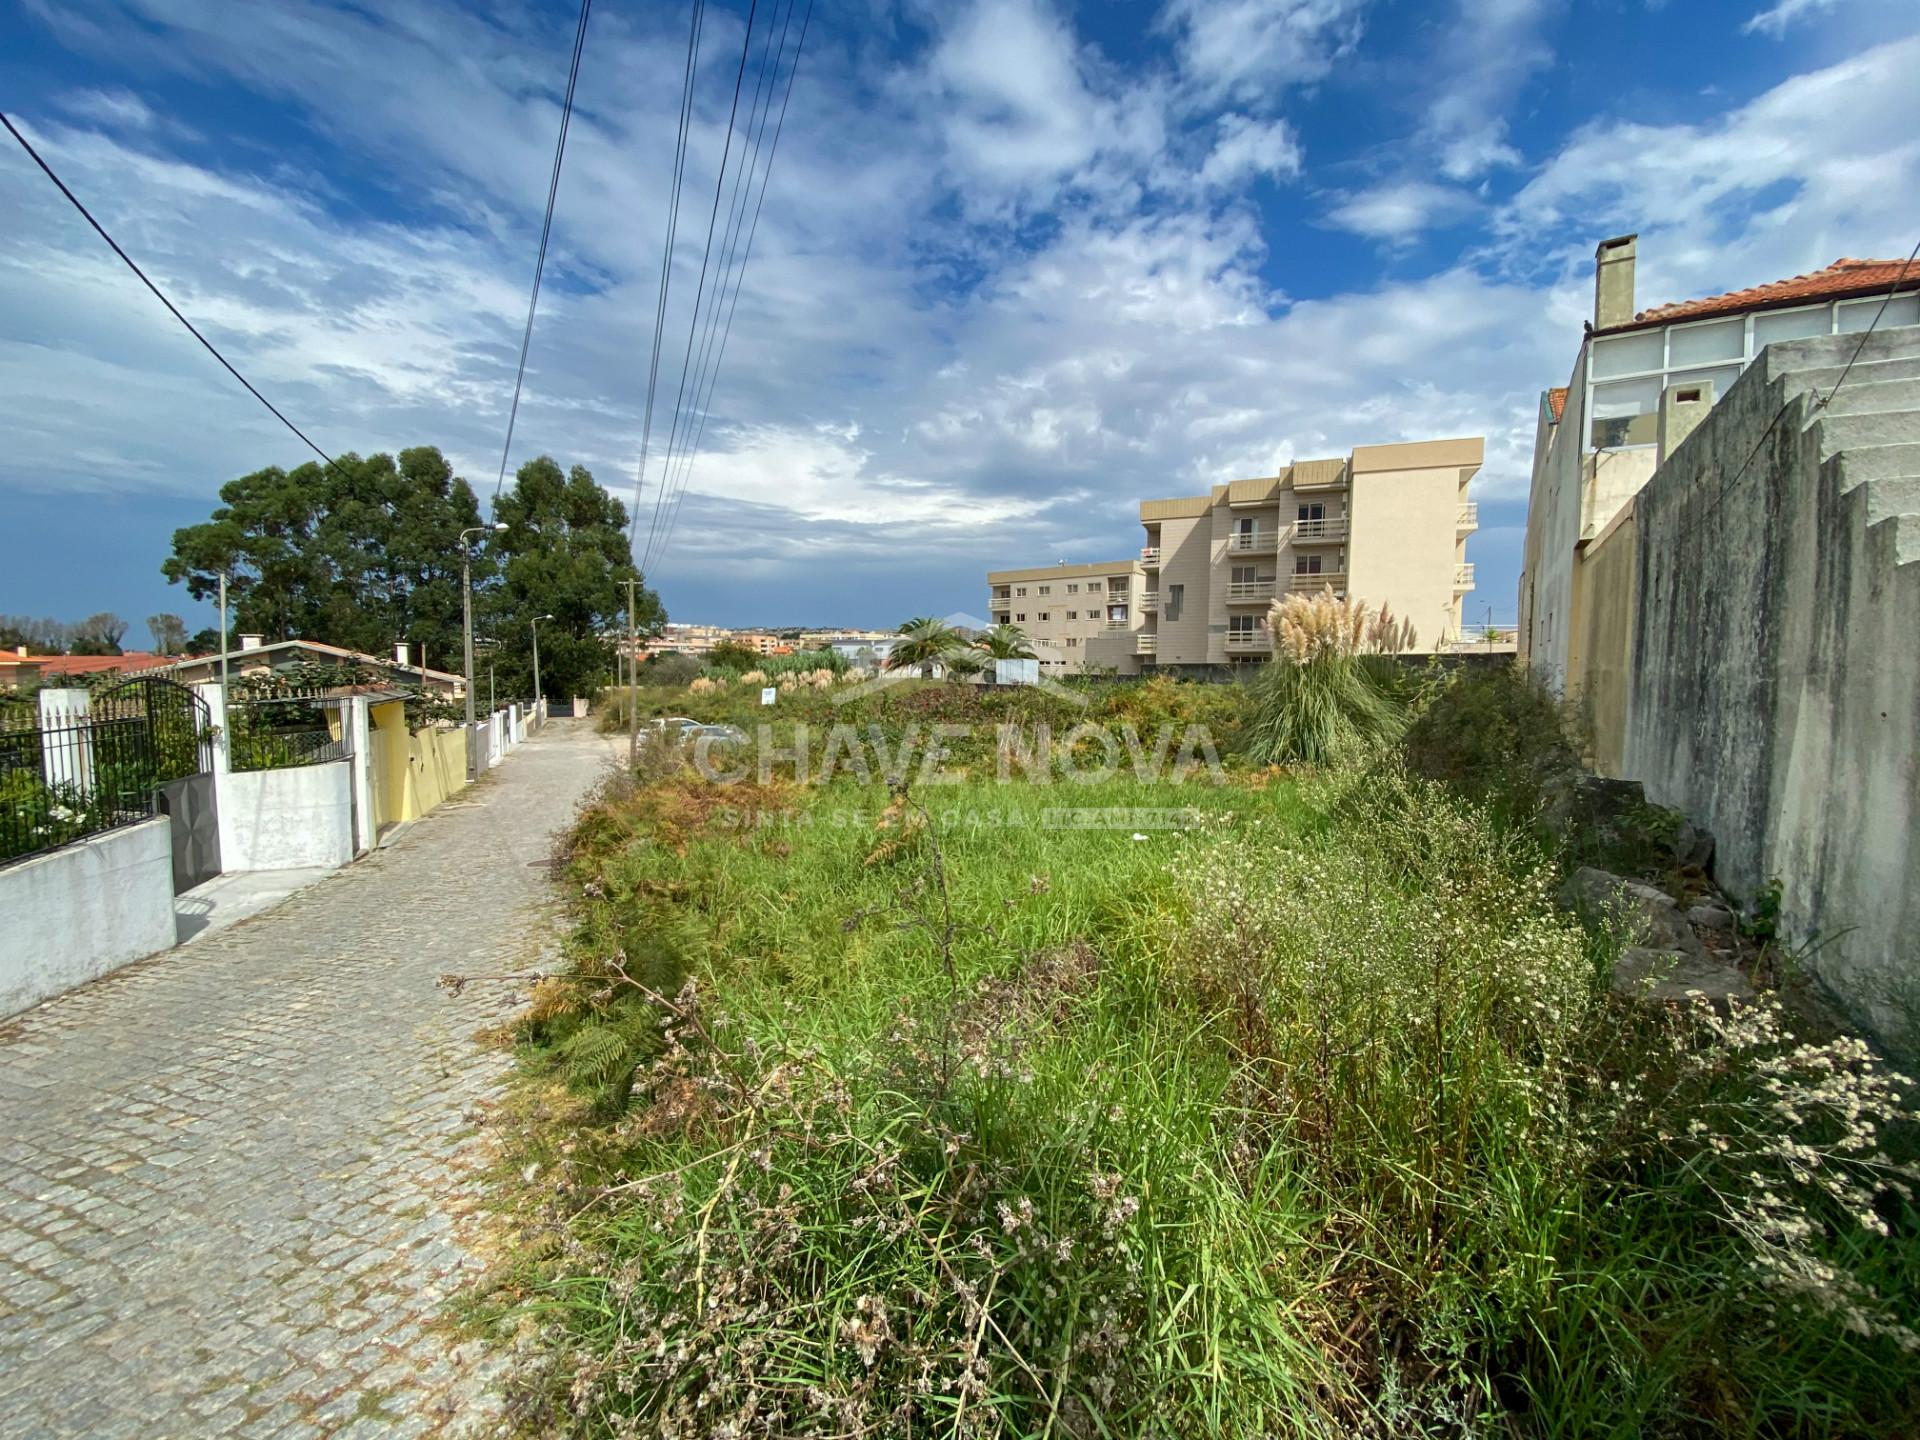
{"points": [[1825, 377], [1853, 431], [1873, 397], [1892, 342]]}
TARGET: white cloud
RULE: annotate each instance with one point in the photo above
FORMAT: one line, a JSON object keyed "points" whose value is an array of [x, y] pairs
{"points": [[1400, 210], [114, 109], [1251, 49], [1776, 21], [1248, 148], [1490, 49]]}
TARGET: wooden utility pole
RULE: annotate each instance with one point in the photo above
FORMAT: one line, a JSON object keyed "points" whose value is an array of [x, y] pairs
{"points": [[633, 684]]}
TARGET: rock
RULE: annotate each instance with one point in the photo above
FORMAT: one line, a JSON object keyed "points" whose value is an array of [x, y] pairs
{"points": [[1692, 845], [1589, 802], [1708, 916], [1651, 916], [1668, 975]]}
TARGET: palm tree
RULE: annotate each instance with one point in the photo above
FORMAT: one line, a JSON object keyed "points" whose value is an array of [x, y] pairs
{"points": [[967, 664], [1005, 642], [926, 642]]}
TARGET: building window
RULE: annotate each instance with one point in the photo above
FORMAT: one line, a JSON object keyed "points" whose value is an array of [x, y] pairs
{"points": [[1073, 640], [1000, 619], [1046, 589], [1242, 575], [1317, 510], [1073, 589], [1176, 597], [1073, 614], [1021, 617], [1306, 564], [1242, 626], [1046, 615]]}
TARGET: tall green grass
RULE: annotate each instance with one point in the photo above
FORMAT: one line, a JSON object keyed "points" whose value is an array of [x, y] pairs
{"points": [[1024, 1110]]}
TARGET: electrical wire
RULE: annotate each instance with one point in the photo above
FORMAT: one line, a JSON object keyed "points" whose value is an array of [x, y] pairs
{"points": [[747, 253], [666, 268], [706, 255], [546, 230], [172, 309]]}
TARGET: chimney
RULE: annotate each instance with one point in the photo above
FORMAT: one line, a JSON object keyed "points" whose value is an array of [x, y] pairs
{"points": [[21, 651], [250, 642], [1613, 282], [400, 653]]}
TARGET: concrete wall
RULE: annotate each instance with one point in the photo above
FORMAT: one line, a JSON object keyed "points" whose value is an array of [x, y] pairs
{"points": [[436, 768], [1187, 550], [84, 910], [1600, 638], [287, 819], [1775, 692]]}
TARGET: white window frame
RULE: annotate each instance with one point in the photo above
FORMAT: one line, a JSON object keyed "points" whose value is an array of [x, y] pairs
{"points": [[1669, 367]]}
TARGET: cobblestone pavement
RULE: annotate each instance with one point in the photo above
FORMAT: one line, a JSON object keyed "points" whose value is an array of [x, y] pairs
{"points": [[235, 1180]]}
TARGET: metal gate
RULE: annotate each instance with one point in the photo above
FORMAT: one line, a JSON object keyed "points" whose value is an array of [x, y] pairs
{"points": [[166, 761]]}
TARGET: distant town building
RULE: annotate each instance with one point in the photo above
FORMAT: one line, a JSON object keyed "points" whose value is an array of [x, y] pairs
{"points": [[1388, 524]]}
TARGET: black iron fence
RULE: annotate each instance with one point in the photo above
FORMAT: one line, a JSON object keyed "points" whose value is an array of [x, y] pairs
{"points": [[81, 774], [280, 731]]}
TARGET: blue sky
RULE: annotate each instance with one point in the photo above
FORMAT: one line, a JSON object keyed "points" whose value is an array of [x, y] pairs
{"points": [[1021, 265]]}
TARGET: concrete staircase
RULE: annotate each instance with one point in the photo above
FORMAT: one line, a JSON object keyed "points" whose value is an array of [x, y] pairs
{"points": [[1871, 424]]}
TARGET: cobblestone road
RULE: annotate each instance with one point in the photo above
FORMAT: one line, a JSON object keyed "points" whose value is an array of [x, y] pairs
{"points": [[233, 1179]]}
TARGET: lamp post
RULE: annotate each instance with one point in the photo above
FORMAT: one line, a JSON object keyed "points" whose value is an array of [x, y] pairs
{"points": [[536, 660], [466, 620]]}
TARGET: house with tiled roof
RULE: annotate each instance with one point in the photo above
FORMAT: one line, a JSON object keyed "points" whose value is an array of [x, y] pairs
{"points": [[1597, 439]]}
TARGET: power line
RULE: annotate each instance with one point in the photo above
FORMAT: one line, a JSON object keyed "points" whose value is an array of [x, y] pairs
{"points": [[706, 254], [172, 309], [546, 229], [758, 113], [666, 269], [740, 279]]}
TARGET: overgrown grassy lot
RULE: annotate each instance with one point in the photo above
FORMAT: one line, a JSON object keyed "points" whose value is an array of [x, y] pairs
{"points": [[1246, 1106]]}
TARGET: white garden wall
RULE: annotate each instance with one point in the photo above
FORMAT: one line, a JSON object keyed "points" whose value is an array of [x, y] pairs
{"points": [[286, 819], [84, 910]]}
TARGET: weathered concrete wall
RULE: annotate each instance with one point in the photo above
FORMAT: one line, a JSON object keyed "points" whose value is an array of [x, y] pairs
{"points": [[1600, 640], [1776, 658], [84, 910], [287, 819]]}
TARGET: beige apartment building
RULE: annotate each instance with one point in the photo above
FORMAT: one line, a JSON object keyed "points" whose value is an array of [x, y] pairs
{"points": [[1387, 525], [1066, 610]]}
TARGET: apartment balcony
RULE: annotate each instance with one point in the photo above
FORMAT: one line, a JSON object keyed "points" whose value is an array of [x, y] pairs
{"points": [[1250, 642], [1150, 556], [999, 596], [1250, 592], [1308, 582], [1320, 532], [1120, 624], [1469, 517], [1150, 602], [1463, 577], [1145, 643], [1257, 542]]}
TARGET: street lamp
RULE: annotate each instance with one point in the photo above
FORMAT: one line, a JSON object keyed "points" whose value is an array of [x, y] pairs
{"points": [[536, 661], [466, 618]]}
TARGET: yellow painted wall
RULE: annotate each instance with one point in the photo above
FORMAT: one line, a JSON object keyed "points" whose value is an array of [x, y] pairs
{"points": [[388, 743], [436, 767], [1600, 638]]}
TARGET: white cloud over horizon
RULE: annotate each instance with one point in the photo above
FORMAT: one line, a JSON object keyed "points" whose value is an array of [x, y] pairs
{"points": [[1000, 292]]}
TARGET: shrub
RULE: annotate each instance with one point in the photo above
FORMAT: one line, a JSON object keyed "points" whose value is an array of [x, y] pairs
{"points": [[1318, 701], [1494, 735]]}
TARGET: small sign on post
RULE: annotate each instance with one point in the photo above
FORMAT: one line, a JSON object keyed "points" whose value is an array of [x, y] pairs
{"points": [[767, 694]]}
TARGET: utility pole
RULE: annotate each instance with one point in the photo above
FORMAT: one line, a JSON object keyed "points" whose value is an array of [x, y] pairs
{"points": [[223, 633], [633, 684]]}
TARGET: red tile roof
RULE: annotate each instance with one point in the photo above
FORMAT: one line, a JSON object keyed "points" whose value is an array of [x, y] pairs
{"points": [[1838, 281], [94, 664], [1557, 402]]}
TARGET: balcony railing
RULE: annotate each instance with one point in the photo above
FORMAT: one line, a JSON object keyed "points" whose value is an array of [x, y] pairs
{"points": [[1463, 577], [1252, 542], [1121, 624], [1149, 554], [1145, 642], [1150, 602], [1309, 581], [1249, 642], [1469, 518], [1250, 592], [999, 596], [1320, 532]]}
